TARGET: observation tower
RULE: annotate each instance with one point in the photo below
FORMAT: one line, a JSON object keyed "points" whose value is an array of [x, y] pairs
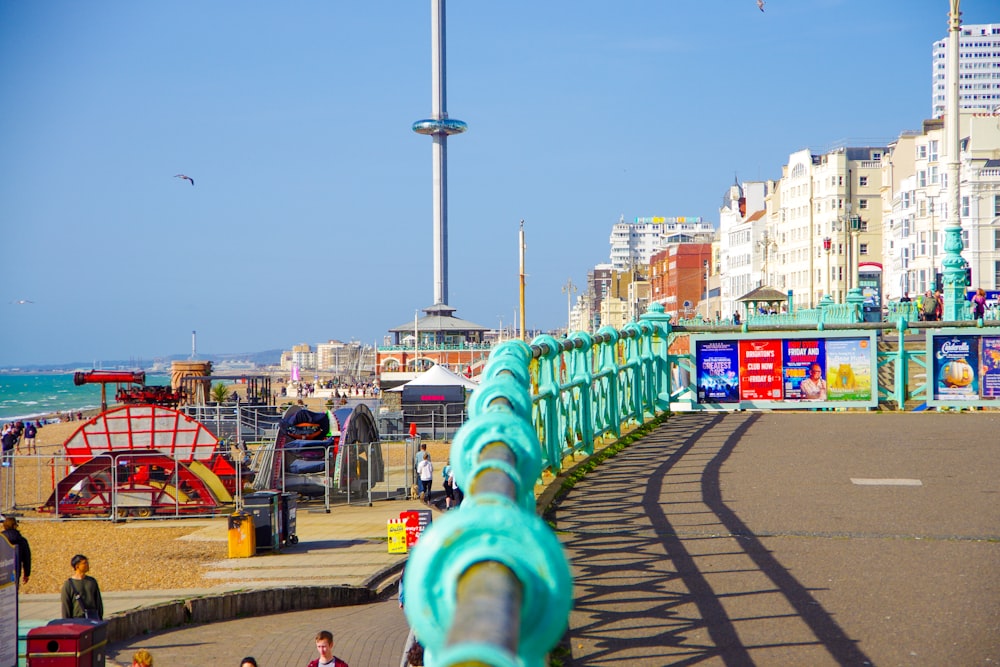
{"points": [[439, 127]]}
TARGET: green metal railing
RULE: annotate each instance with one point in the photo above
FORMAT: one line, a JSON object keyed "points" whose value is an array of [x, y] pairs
{"points": [[489, 584]]}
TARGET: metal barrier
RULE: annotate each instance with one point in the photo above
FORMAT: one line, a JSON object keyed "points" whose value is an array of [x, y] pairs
{"points": [[489, 584]]}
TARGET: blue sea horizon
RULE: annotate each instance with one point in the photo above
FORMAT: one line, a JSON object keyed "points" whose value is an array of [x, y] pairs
{"points": [[30, 396]]}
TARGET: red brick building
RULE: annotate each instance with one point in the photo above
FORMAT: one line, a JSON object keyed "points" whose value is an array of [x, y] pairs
{"points": [[677, 274]]}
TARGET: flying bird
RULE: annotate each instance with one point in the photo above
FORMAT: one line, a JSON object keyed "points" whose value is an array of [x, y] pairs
{"points": [[21, 302], [760, 5], [188, 178]]}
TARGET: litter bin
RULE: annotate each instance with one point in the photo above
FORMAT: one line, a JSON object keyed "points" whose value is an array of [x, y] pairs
{"points": [[286, 532], [242, 535], [265, 507], [68, 642]]}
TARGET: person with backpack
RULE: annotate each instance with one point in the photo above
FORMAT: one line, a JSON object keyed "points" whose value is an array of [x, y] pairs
{"points": [[929, 307], [80, 595]]}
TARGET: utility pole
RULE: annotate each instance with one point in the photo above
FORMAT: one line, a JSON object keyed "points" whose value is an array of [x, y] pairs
{"points": [[568, 289], [521, 248]]}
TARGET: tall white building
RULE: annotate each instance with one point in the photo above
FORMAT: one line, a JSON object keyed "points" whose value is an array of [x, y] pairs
{"points": [[978, 70], [633, 243]]}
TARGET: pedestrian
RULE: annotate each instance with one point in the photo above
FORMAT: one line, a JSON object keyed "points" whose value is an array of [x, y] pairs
{"points": [[248, 661], [30, 431], [425, 476], [7, 443], [81, 596], [142, 658], [22, 563], [979, 304], [940, 305], [415, 656], [448, 485], [324, 645]]}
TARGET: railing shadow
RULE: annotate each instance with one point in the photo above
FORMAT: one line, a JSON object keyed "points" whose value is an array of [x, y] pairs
{"points": [[647, 569]]}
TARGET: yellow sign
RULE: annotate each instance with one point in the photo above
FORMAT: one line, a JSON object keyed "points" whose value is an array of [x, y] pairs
{"points": [[397, 536]]}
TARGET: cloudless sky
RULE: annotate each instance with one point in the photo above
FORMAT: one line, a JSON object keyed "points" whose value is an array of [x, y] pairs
{"points": [[310, 218]]}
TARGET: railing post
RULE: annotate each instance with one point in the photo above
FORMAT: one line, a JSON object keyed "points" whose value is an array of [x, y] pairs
{"points": [[607, 368], [856, 299], [901, 373], [660, 340], [582, 376]]}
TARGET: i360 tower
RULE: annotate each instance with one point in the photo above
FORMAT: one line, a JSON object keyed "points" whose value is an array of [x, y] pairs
{"points": [[439, 127]]}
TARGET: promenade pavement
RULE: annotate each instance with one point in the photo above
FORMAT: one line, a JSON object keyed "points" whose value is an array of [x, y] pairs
{"points": [[346, 547], [790, 539], [718, 539]]}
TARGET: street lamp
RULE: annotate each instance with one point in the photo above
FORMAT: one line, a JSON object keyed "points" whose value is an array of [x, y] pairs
{"points": [[827, 244], [953, 265]]}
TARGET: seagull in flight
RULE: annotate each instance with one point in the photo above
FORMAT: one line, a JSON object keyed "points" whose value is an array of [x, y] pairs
{"points": [[21, 302], [760, 5], [188, 178]]}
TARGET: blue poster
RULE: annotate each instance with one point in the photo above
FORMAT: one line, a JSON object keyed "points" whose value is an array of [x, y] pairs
{"points": [[956, 360], [805, 369], [989, 376], [718, 377]]}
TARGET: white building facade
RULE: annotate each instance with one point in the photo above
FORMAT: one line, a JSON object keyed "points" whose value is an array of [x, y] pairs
{"points": [[742, 227], [634, 243], [916, 205], [978, 70]]}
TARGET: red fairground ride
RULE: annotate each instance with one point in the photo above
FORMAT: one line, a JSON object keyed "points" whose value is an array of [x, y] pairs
{"points": [[141, 460]]}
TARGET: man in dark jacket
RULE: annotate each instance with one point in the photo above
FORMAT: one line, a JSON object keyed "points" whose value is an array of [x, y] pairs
{"points": [[80, 595], [23, 550]]}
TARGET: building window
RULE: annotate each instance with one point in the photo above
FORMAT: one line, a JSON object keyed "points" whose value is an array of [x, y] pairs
{"points": [[996, 273], [996, 205], [934, 150], [863, 181], [922, 178], [996, 242], [863, 248], [921, 152], [965, 207], [862, 203]]}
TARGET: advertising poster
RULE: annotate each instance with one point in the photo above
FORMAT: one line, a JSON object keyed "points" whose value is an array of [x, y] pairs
{"points": [[989, 376], [956, 361], [804, 367], [849, 369], [717, 366], [760, 370]]}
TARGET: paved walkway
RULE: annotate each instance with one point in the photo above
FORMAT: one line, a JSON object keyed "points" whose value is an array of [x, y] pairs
{"points": [[791, 539], [344, 548], [742, 539]]}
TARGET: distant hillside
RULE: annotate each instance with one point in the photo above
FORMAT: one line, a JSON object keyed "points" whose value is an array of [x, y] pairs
{"points": [[265, 358]]}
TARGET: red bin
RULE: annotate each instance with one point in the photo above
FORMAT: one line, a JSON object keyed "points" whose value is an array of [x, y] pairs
{"points": [[68, 642]]}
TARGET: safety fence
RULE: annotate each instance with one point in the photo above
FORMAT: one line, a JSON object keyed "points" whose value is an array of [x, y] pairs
{"points": [[138, 485], [489, 584]]}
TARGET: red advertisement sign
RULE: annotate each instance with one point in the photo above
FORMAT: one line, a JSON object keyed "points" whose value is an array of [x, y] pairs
{"points": [[760, 370]]}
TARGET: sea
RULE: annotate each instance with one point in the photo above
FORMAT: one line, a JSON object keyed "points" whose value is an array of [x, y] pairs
{"points": [[30, 396]]}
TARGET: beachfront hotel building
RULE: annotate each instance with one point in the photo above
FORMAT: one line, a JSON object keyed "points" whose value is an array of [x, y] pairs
{"points": [[824, 224], [978, 70], [915, 205]]}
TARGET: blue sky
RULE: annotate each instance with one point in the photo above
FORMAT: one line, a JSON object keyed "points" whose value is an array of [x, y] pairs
{"points": [[311, 218]]}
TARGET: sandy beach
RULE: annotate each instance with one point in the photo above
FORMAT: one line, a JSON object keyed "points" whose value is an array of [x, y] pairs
{"points": [[135, 555]]}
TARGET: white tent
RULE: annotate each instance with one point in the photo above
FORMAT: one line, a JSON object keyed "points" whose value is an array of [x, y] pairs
{"points": [[439, 376]]}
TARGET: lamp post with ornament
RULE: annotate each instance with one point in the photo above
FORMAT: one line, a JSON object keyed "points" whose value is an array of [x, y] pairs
{"points": [[953, 264], [827, 244]]}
